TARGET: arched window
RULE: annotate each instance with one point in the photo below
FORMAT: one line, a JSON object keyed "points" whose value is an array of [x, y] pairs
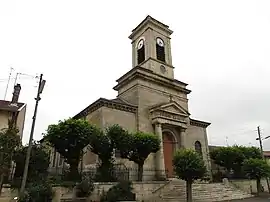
{"points": [[198, 147], [140, 51], [160, 49]]}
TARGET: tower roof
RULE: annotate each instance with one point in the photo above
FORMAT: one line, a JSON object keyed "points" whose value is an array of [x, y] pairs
{"points": [[153, 21]]}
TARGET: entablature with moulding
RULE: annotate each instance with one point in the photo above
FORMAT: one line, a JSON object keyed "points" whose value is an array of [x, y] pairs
{"points": [[169, 113], [146, 74]]}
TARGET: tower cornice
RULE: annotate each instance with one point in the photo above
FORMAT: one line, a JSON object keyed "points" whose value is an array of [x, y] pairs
{"points": [[150, 21], [146, 74]]}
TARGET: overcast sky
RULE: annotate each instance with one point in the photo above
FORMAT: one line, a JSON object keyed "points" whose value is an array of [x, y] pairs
{"points": [[220, 48]]}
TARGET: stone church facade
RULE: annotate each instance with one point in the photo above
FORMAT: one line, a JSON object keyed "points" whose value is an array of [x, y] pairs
{"points": [[151, 100]]}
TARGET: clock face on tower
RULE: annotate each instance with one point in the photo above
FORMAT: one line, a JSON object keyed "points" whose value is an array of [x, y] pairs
{"points": [[140, 44], [160, 42]]}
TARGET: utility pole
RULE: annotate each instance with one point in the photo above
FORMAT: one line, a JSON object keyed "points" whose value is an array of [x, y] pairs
{"points": [[260, 140], [28, 155], [261, 148]]}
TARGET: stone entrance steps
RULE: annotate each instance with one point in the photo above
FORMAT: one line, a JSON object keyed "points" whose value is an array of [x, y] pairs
{"points": [[201, 192]]}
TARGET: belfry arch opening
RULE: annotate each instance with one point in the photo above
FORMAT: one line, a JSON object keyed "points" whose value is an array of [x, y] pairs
{"points": [[140, 51], [160, 49]]}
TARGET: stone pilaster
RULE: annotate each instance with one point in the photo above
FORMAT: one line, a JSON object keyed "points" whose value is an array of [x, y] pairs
{"points": [[183, 137], [160, 165]]}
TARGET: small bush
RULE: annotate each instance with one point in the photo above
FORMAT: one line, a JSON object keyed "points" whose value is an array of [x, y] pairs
{"points": [[105, 172], [218, 176], [120, 192], [38, 192], [85, 187]]}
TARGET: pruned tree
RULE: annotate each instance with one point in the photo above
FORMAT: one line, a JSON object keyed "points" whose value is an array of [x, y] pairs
{"points": [[256, 169], [120, 139], [69, 138], [134, 146], [250, 152], [100, 144], [232, 157], [141, 146], [9, 141], [188, 166]]}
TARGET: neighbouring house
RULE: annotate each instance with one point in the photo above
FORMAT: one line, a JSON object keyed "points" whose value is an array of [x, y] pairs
{"points": [[13, 111], [267, 156]]}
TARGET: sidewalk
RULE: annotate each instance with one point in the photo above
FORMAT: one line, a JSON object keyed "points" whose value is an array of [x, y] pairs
{"points": [[264, 197]]}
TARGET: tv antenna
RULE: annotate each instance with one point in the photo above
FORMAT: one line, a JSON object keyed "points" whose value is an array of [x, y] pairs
{"points": [[11, 69]]}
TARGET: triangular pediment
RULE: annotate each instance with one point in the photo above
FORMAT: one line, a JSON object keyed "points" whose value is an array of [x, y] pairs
{"points": [[171, 107]]}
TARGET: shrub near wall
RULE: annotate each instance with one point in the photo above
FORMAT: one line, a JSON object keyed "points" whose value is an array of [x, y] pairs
{"points": [[119, 192]]}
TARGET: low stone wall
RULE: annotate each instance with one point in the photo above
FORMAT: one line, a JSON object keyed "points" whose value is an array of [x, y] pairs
{"points": [[8, 192], [249, 186], [143, 190]]}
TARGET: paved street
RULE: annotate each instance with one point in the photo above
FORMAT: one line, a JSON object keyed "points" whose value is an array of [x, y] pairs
{"points": [[255, 199]]}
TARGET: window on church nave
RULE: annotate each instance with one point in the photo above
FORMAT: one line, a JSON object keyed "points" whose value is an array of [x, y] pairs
{"points": [[140, 51], [160, 49], [198, 147]]}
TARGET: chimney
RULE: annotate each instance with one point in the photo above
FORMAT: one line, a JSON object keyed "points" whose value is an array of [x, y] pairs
{"points": [[16, 93]]}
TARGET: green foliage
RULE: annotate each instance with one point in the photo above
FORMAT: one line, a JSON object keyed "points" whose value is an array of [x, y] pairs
{"points": [[38, 192], [228, 157], [120, 192], [9, 141], [250, 152], [69, 138], [38, 165], [120, 139], [232, 158], [256, 168], [101, 145], [188, 165], [105, 172], [85, 187], [134, 146], [141, 145]]}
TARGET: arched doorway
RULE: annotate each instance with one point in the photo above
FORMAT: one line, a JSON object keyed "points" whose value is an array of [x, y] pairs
{"points": [[168, 149]]}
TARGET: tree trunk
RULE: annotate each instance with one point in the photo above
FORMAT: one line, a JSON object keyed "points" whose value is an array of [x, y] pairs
{"points": [[189, 190], [140, 172], [258, 181], [73, 174], [1, 182]]}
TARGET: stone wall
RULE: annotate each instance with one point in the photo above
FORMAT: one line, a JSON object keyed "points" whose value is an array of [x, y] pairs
{"points": [[249, 186], [143, 190], [195, 133], [21, 120], [4, 119]]}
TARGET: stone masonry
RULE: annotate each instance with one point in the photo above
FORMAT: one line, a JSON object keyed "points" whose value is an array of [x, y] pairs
{"points": [[151, 100]]}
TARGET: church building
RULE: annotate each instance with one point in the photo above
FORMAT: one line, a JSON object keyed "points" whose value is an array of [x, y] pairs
{"points": [[150, 99]]}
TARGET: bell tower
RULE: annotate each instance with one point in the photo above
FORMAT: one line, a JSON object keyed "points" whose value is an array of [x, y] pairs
{"points": [[151, 48]]}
